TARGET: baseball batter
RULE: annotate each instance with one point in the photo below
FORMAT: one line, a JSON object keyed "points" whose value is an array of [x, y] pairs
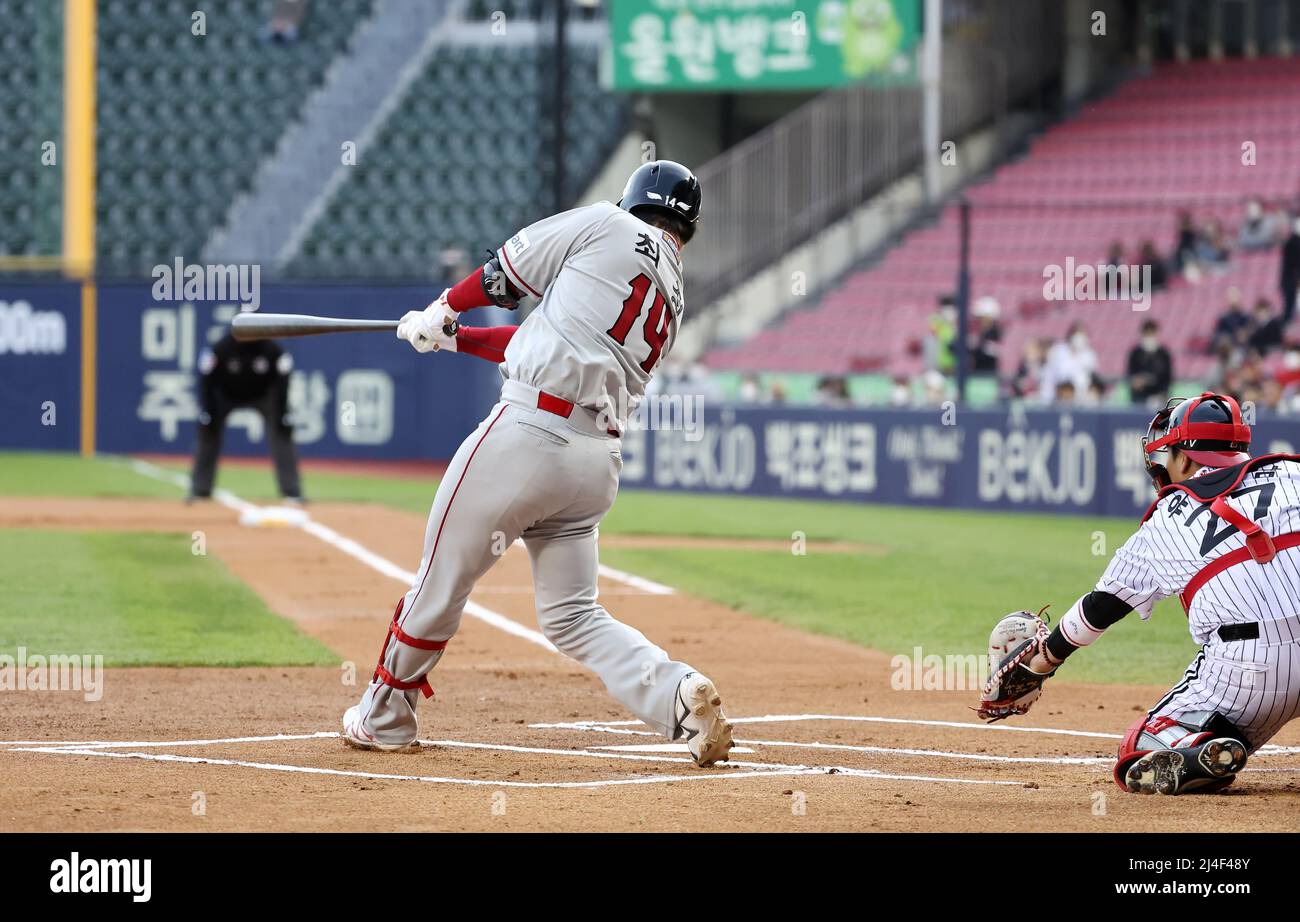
{"points": [[544, 464], [1224, 536]]}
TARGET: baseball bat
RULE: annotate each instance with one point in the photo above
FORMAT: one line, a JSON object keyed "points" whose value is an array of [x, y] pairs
{"points": [[253, 325]]}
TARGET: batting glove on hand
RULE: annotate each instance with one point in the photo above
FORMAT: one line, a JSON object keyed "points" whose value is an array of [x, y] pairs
{"points": [[431, 329]]}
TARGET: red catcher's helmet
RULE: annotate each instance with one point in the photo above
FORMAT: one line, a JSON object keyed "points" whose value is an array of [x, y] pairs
{"points": [[1208, 429]]}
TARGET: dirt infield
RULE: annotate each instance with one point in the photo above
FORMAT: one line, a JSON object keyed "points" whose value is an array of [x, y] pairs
{"points": [[521, 738]]}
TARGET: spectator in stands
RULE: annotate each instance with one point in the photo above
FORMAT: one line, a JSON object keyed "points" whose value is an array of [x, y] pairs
{"points": [[1212, 247], [698, 383], [1148, 255], [1185, 243], [1265, 331], [1115, 256], [1257, 231], [1288, 379], [1246, 380], [750, 389], [286, 20], [934, 388], [833, 391], [900, 392], [1233, 326], [1290, 271], [1027, 380], [984, 341], [1073, 360], [1096, 393], [1063, 394], [937, 347], [1150, 368]]}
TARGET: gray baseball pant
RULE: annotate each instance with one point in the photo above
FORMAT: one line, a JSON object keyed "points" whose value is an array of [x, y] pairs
{"points": [[528, 473]]}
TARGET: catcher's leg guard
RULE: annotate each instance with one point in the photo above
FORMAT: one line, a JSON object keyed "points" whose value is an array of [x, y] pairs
{"points": [[1200, 751]]}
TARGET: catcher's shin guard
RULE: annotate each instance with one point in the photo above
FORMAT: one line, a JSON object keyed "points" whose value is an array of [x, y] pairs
{"points": [[1202, 751]]}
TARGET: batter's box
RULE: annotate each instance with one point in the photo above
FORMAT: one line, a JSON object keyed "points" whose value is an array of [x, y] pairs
{"points": [[405, 768]]}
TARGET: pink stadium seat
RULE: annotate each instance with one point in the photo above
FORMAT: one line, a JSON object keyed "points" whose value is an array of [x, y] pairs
{"points": [[1121, 170]]}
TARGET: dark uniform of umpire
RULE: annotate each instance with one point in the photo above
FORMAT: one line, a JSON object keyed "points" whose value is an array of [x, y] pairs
{"points": [[235, 375]]}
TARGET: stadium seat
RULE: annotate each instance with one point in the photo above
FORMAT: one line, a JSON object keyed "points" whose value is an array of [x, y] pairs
{"points": [[1121, 170]]}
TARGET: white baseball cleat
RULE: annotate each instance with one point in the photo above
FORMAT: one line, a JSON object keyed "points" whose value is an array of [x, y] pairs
{"points": [[700, 719], [356, 736]]}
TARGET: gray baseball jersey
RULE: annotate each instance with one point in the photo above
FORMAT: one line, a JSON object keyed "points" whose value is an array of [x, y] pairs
{"points": [[611, 299], [1255, 683], [611, 302]]}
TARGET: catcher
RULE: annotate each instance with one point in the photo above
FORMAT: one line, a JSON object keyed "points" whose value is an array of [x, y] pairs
{"points": [[1224, 536]]}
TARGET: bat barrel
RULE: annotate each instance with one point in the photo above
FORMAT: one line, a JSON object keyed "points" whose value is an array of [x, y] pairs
{"points": [[255, 325]]}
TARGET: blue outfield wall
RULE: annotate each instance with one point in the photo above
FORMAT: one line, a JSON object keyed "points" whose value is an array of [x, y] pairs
{"points": [[1083, 462], [352, 395], [369, 396], [40, 365]]}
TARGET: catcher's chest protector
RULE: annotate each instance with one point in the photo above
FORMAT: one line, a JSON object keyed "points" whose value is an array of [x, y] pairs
{"points": [[1215, 488]]}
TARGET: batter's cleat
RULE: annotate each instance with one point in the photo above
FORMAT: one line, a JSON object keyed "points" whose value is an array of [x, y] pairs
{"points": [[1208, 767], [700, 719], [356, 736]]}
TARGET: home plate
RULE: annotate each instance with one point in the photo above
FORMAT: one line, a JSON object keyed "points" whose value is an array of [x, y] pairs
{"points": [[660, 747]]}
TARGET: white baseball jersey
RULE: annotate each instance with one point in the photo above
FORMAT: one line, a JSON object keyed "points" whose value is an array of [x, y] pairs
{"points": [[1183, 535], [611, 302]]}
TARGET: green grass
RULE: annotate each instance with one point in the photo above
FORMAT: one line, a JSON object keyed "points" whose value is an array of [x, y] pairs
{"points": [[38, 474], [944, 578], [137, 599], [940, 580]]}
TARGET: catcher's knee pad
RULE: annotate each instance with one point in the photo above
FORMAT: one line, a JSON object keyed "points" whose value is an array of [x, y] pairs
{"points": [[1150, 733]]}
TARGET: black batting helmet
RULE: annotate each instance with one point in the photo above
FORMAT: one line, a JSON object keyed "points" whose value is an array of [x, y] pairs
{"points": [[1208, 429], [667, 187]]}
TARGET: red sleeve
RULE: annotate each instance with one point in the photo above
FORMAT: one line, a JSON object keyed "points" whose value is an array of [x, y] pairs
{"points": [[468, 292], [485, 342]]}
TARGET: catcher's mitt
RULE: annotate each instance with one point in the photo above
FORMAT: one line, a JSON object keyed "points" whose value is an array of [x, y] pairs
{"points": [[1012, 687]]}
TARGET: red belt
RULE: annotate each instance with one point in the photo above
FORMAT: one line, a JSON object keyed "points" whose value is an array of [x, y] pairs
{"points": [[1261, 551], [561, 407], [552, 404]]}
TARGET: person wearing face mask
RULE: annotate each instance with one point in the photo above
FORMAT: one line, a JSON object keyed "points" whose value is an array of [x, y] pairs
{"points": [[1072, 360], [1290, 271], [1257, 231], [1150, 368]]}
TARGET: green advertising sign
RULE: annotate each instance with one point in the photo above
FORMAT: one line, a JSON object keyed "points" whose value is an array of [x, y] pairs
{"points": [[762, 44]]}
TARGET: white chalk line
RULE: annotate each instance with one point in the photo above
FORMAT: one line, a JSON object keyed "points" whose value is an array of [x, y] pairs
{"points": [[627, 727], [648, 586], [363, 554], [428, 779], [797, 718], [359, 553], [888, 750], [729, 770]]}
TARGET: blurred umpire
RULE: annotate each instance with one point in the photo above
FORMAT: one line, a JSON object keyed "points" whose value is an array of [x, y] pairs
{"points": [[235, 375]]}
